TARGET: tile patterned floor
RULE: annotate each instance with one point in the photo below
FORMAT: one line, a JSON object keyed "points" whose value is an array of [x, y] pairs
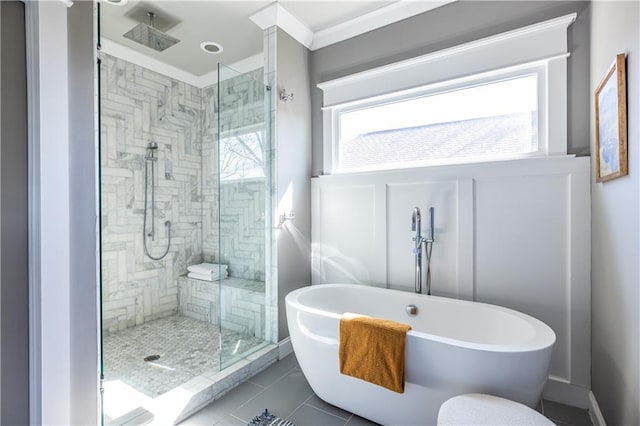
{"points": [[187, 348], [284, 390]]}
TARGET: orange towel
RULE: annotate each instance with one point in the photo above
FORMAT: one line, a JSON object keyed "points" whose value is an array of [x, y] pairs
{"points": [[372, 349]]}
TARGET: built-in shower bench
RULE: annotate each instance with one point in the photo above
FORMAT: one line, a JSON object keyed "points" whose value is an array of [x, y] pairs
{"points": [[236, 304]]}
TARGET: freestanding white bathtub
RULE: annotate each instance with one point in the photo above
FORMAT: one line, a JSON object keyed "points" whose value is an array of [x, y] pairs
{"points": [[454, 347]]}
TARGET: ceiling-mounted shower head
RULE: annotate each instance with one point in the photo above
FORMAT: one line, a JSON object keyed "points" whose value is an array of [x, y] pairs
{"points": [[149, 36]]}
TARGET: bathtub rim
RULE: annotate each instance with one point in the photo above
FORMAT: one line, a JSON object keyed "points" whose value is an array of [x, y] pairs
{"points": [[544, 338]]}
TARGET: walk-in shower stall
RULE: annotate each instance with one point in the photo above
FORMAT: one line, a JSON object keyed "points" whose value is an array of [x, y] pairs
{"points": [[186, 196]]}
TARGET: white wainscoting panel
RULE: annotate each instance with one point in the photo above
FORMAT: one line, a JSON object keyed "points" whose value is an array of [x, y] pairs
{"points": [[513, 233], [521, 251], [349, 248], [401, 199]]}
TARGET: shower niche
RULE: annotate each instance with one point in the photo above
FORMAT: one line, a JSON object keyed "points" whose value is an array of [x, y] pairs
{"points": [[185, 185]]}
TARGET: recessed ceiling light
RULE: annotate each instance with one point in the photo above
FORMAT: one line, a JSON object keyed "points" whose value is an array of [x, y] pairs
{"points": [[211, 47], [116, 2]]}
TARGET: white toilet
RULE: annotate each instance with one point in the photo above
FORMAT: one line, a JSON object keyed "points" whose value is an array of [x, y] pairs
{"points": [[480, 409]]}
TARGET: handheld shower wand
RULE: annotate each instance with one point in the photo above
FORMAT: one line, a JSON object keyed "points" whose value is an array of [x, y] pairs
{"points": [[150, 159], [428, 247]]}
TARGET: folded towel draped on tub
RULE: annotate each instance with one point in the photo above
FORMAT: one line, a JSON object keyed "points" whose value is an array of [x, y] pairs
{"points": [[372, 349]]}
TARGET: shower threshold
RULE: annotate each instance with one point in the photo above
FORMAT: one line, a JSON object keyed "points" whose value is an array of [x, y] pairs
{"points": [[163, 371]]}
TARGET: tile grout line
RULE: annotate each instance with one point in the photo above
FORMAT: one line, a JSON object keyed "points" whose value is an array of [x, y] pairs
{"points": [[224, 417], [324, 411], [296, 409], [277, 379], [246, 401], [264, 388]]}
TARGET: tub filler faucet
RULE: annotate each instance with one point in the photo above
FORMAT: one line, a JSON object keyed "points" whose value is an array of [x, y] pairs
{"points": [[419, 240]]}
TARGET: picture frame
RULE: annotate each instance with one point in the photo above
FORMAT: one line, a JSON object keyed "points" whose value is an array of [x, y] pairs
{"points": [[611, 122]]}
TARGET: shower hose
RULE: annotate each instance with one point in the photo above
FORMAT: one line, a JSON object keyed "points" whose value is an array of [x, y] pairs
{"points": [[167, 223]]}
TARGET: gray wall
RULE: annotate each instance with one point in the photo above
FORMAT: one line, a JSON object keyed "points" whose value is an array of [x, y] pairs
{"points": [[450, 25], [293, 157], [82, 170], [615, 232], [14, 275]]}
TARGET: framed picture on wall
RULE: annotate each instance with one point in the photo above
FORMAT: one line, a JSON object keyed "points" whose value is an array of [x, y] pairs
{"points": [[611, 123]]}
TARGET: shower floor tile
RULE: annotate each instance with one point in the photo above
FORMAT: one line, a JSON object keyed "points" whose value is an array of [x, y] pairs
{"points": [[186, 348]]}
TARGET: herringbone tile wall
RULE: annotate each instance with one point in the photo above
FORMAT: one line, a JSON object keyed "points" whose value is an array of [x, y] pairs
{"points": [[139, 106], [240, 240]]}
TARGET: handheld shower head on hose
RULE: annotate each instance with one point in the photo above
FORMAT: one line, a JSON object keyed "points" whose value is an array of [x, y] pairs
{"points": [[151, 158]]}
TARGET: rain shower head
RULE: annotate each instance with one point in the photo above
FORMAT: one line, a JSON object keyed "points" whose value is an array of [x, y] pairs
{"points": [[148, 36]]}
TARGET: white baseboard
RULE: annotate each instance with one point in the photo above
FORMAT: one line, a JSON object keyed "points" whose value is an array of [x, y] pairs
{"points": [[284, 347], [594, 411], [561, 391]]}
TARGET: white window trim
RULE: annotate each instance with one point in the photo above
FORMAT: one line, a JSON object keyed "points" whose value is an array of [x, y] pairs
{"points": [[541, 47]]}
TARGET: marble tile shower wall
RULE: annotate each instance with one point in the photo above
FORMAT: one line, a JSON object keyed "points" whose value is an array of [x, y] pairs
{"points": [[139, 106], [241, 235], [242, 226]]}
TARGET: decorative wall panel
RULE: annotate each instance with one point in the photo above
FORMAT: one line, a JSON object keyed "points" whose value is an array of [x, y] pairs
{"points": [[515, 234]]}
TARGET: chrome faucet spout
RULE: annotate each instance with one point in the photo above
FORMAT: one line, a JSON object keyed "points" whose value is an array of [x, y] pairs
{"points": [[416, 226], [415, 220]]}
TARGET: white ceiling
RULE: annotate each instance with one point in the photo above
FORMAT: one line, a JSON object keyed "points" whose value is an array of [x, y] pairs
{"points": [[228, 23], [224, 22], [320, 15]]}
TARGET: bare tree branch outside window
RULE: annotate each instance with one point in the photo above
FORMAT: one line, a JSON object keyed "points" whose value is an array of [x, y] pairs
{"points": [[242, 156]]}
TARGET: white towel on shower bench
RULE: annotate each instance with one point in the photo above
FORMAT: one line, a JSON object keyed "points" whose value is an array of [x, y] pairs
{"points": [[207, 277], [210, 270]]}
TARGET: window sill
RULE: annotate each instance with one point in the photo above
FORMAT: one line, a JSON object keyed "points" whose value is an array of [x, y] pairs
{"points": [[529, 165]]}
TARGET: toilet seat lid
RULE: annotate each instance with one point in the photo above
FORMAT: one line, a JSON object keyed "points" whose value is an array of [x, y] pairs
{"points": [[481, 409]]}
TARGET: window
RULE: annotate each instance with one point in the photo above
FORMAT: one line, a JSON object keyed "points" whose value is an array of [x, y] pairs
{"points": [[242, 156], [491, 120], [501, 97]]}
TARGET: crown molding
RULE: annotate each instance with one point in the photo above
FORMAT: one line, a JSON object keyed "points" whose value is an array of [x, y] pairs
{"points": [[373, 20], [276, 15], [120, 51]]}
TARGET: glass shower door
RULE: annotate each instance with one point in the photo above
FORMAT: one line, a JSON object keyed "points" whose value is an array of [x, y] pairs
{"points": [[244, 177]]}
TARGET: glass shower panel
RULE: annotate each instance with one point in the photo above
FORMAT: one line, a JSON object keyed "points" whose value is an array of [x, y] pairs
{"points": [[244, 199]]}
